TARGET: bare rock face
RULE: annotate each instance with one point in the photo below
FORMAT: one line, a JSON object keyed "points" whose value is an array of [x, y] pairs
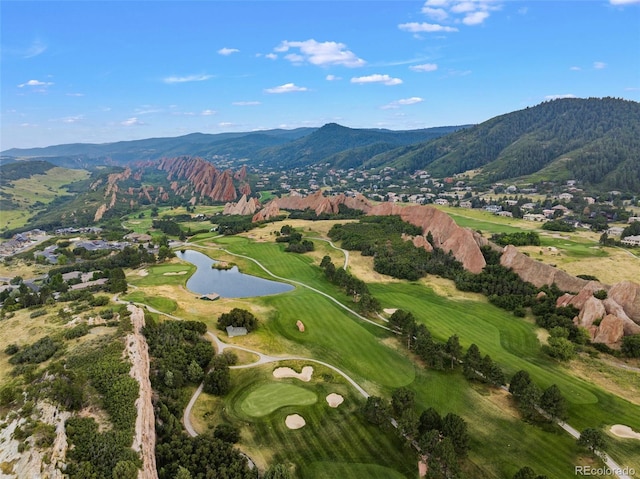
{"points": [[627, 295], [206, 179], [447, 235], [610, 331], [592, 310], [418, 241], [271, 210], [538, 273], [243, 207]]}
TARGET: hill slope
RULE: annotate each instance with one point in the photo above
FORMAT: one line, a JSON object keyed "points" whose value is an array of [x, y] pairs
{"points": [[596, 141]]}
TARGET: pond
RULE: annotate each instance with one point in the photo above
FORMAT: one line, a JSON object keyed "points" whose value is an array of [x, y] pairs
{"points": [[228, 283]]}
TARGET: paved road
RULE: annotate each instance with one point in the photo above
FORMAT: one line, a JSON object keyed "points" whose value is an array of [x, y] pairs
{"points": [[344, 251]]}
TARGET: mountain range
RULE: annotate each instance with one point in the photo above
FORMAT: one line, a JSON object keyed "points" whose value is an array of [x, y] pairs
{"points": [[595, 141]]}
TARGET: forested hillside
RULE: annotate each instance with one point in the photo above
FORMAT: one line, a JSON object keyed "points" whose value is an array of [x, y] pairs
{"points": [[592, 140]]}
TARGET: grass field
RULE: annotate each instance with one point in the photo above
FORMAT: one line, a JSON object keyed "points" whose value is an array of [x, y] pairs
{"points": [[339, 436], [270, 397], [39, 188]]}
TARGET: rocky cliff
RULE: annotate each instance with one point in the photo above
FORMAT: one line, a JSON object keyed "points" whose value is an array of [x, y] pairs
{"points": [[463, 243], [205, 178], [245, 206]]}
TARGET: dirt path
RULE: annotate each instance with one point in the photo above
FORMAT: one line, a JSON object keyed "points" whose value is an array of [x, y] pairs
{"points": [[344, 251], [144, 441]]}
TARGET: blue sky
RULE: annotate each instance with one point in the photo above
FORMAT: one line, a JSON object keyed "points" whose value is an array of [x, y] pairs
{"points": [[90, 71]]}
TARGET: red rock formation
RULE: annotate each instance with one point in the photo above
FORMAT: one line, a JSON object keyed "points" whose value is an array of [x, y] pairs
{"points": [[243, 207], [627, 295], [610, 330], [206, 179], [242, 174], [245, 189], [447, 235], [539, 273], [271, 210]]}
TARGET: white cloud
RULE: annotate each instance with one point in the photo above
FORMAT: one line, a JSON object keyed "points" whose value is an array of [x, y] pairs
{"points": [[377, 78], [245, 103], [575, 69], [623, 2], [405, 101], [75, 94], [227, 51], [271, 56], [425, 67], [185, 79], [225, 124], [332, 78], [286, 88], [599, 65], [208, 112], [133, 121], [415, 27], [475, 18], [72, 119], [35, 83], [438, 14], [558, 97], [320, 53]]}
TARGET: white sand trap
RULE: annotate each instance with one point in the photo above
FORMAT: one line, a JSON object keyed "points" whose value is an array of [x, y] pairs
{"points": [[334, 400], [624, 431], [174, 273], [390, 310], [305, 375], [143, 272], [294, 421]]}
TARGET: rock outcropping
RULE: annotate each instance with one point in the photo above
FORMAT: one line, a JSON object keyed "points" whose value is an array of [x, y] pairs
{"points": [[205, 178], [245, 206]]}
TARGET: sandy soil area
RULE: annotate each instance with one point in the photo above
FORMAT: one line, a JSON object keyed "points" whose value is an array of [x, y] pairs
{"points": [[624, 431], [174, 273], [143, 272], [334, 400], [390, 310], [294, 421], [305, 375]]}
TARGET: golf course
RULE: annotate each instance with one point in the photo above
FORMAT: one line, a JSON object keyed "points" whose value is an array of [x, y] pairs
{"points": [[339, 441]]}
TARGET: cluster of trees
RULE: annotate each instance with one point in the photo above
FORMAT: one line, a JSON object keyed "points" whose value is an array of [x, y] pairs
{"points": [[535, 403], [239, 318], [438, 355], [168, 227], [179, 456], [294, 239], [344, 213], [558, 225], [351, 285], [34, 353], [517, 239], [500, 285], [233, 224], [444, 441], [179, 356]]}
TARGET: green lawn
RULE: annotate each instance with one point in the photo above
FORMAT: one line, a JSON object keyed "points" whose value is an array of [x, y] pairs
{"points": [[166, 305], [162, 274], [272, 396], [339, 436]]}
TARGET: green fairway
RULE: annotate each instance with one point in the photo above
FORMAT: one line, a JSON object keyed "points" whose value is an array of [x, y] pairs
{"points": [[271, 396], [339, 436], [162, 274], [331, 470], [166, 305]]}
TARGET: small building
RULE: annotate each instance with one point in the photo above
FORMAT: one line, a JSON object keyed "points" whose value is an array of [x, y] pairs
{"points": [[466, 204], [210, 297], [442, 202], [508, 214], [534, 217], [631, 240], [615, 231], [633, 219], [493, 208], [232, 331]]}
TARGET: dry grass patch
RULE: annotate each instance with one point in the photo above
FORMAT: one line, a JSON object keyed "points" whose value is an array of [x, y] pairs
{"points": [[20, 267], [207, 413], [618, 381]]}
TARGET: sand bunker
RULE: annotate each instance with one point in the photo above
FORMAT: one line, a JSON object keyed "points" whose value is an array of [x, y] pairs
{"points": [[624, 431], [390, 310], [143, 272], [294, 421], [174, 273], [305, 375], [334, 400]]}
